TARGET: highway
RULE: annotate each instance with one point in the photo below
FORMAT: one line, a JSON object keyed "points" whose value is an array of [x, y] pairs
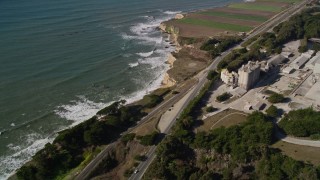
{"points": [[143, 166]]}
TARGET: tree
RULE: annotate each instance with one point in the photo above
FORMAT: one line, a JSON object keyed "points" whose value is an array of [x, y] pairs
{"points": [[272, 111], [276, 98]]}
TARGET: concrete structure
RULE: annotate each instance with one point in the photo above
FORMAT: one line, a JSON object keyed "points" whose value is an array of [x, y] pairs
{"points": [[258, 106], [287, 54], [288, 70], [249, 75], [316, 69], [230, 79], [314, 93], [300, 61], [276, 60], [313, 61]]}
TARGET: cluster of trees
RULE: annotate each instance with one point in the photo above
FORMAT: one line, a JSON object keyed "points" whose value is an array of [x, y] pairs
{"points": [[223, 97], [272, 111], [216, 46], [149, 139], [276, 98], [301, 123], [237, 58], [244, 147], [67, 150]]}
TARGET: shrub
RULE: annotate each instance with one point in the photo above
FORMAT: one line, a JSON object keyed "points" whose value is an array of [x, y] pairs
{"points": [[149, 139], [272, 111], [128, 137], [276, 98], [210, 109], [223, 97]]}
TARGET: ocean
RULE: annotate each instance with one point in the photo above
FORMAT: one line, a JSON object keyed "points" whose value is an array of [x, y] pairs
{"points": [[62, 61]]}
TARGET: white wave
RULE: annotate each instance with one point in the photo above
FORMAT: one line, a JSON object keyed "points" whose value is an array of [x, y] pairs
{"points": [[147, 54], [12, 162], [171, 12], [133, 64], [147, 39], [80, 110]]}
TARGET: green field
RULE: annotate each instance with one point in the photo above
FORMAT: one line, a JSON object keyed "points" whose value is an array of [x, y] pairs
{"points": [[217, 25], [286, 1], [254, 6], [235, 16]]}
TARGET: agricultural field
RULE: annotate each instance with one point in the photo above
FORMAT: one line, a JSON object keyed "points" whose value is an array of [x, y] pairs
{"points": [[230, 20], [256, 6]]}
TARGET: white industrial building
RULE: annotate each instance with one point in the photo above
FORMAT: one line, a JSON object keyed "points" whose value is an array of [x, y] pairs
{"points": [[230, 79], [299, 62], [288, 70], [313, 61], [248, 75]]}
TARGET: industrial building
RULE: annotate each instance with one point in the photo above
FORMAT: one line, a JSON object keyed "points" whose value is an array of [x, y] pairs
{"points": [[230, 79], [316, 59], [302, 59], [276, 60], [299, 62], [248, 75]]}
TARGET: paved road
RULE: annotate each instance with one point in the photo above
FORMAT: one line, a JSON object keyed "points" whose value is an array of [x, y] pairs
{"points": [[84, 174], [202, 80]]}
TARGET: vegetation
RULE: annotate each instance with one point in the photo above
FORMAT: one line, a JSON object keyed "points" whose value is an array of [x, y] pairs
{"points": [[303, 25], [223, 97], [67, 150], [227, 153], [212, 74], [276, 98], [254, 6], [218, 25], [128, 138], [272, 111], [237, 58], [304, 45], [235, 16], [210, 109], [301, 123], [215, 46], [149, 139]]}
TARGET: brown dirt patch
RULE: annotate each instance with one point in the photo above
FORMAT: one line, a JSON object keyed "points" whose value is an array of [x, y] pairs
{"points": [[224, 20], [300, 153], [181, 69], [244, 11]]}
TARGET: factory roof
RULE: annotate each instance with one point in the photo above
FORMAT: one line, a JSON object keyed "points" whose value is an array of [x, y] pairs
{"points": [[314, 93], [300, 61], [287, 70], [313, 61], [251, 66], [276, 60]]}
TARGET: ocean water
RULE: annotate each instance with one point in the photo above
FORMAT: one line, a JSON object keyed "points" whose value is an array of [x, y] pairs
{"points": [[62, 61]]}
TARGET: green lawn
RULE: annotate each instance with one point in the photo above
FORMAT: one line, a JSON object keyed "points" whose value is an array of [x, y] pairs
{"points": [[254, 6], [217, 25], [235, 16]]}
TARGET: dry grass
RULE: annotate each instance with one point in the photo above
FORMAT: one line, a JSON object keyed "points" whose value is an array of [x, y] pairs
{"points": [[147, 127], [300, 153], [225, 118]]}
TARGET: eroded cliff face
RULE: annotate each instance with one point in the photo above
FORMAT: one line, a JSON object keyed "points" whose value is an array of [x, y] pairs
{"points": [[173, 31], [168, 81]]}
